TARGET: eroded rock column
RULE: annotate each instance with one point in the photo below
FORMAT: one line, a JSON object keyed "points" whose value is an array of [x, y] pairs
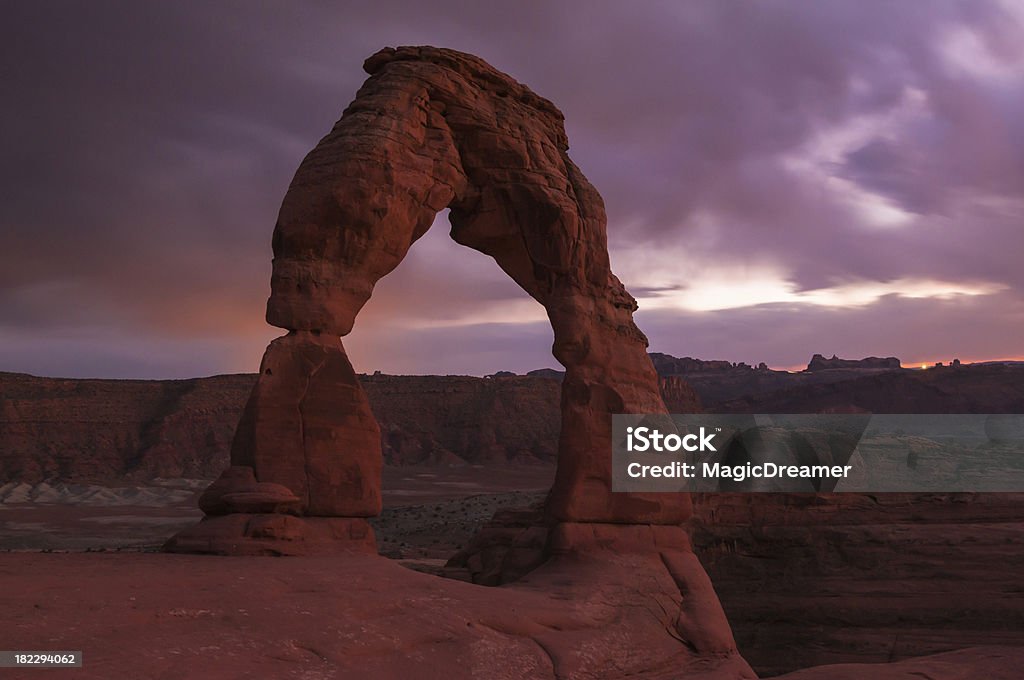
{"points": [[305, 461], [308, 426]]}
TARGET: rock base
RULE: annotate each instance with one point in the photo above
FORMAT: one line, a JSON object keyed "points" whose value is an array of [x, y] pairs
{"points": [[620, 560], [279, 535]]}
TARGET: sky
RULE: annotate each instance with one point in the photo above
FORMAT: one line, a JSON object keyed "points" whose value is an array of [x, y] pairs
{"points": [[781, 178]]}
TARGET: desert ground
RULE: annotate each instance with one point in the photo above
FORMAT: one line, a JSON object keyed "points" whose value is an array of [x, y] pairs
{"points": [[874, 587], [430, 512]]}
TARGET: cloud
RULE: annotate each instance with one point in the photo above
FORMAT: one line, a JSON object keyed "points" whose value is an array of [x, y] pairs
{"points": [[818, 159], [917, 330]]}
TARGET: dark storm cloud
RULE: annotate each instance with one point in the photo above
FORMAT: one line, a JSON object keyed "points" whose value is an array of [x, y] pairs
{"points": [[147, 147]]}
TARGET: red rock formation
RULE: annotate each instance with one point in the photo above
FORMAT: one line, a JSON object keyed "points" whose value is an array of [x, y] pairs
{"points": [[978, 388], [667, 364], [810, 579], [450, 131], [444, 419], [584, 617], [118, 431], [678, 396], [820, 363], [433, 129], [132, 431], [308, 426]]}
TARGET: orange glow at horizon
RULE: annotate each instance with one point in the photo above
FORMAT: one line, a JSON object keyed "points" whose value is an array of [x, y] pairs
{"points": [[919, 364]]}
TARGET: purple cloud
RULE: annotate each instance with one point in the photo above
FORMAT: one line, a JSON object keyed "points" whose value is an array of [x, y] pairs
{"points": [[147, 148]]}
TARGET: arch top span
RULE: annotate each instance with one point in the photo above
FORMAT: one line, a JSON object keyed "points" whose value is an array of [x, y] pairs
{"points": [[432, 129]]}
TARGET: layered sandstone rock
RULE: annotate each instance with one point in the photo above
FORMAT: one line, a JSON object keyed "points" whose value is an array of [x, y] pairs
{"points": [[811, 579], [978, 388], [118, 431], [666, 364], [461, 419], [678, 396], [820, 363], [308, 427], [432, 129]]}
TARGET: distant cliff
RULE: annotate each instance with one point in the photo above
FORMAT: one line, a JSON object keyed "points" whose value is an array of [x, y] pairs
{"points": [[820, 363], [666, 364], [459, 419], [141, 429], [102, 430], [862, 578], [52, 428], [975, 388]]}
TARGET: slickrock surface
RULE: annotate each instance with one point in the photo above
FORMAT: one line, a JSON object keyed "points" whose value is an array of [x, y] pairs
{"points": [[141, 616], [809, 579], [805, 580], [586, 615]]}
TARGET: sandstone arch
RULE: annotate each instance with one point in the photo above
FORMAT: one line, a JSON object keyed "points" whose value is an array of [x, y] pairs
{"points": [[430, 129]]}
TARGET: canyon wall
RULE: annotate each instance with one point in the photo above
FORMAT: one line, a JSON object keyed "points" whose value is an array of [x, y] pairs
{"points": [[134, 430], [118, 430]]}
